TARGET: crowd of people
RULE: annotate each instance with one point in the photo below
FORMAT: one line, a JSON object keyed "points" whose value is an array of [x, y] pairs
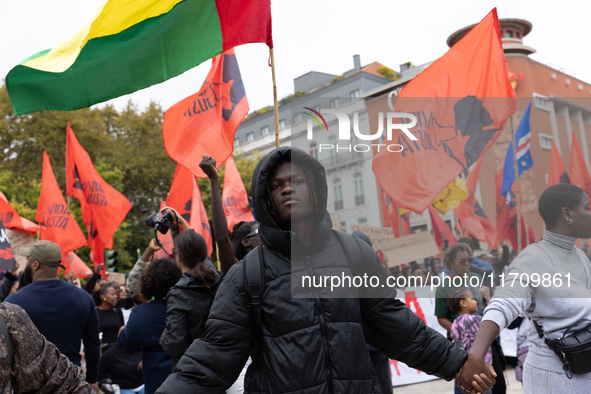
{"points": [[180, 324]]}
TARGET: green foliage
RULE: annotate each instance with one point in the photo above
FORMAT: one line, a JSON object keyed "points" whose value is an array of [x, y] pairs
{"points": [[337, 79], [258, 112], [290, 98], [126, 148], [389, 73]]}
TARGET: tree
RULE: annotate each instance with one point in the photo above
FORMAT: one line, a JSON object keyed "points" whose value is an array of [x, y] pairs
{"points": [[126, 149]]}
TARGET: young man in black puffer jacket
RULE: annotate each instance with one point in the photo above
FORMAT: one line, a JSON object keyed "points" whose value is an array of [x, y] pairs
{"points": [[307, 342]]}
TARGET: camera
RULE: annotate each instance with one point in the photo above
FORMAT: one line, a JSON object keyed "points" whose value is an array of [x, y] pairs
{"points": [[160, 223]]}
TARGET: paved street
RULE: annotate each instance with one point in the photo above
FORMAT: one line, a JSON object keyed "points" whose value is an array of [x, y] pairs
{"points": [[440, 386]]}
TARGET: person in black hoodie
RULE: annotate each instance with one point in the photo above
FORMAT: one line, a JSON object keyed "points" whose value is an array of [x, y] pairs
{"points": [[189, 300], [304, 344]]}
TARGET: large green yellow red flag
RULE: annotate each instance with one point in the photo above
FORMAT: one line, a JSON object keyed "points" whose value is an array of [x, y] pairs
{"points": [[130, 45], [460, 104]]}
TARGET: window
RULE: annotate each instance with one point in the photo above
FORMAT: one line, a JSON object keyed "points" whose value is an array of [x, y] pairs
{"points": [[344, 226], [236, 142], [265, 130], [317, 108], [355, 93], [249, 136], [314, 150], [509, 34], [363, 222], [359, 196], [517, 34], [335, 103], [281, 124], [298, 117], [338, 195], [545, 141]]}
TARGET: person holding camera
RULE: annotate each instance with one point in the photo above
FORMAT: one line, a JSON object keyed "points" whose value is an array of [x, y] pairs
{"points": [[189, 300], [560, 310]]}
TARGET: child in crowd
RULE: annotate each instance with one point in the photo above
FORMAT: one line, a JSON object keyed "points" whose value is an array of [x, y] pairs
{"points": [[465, 326]]}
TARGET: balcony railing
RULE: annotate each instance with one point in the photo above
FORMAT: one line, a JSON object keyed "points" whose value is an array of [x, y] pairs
{"points": [[338, 205], [341, 160], [360, 200]]}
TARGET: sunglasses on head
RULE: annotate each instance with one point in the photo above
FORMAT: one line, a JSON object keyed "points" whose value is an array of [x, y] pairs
{"points": [[466, 261], [255, 232]]}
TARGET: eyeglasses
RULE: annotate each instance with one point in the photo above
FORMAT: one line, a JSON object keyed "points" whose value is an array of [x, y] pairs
{"points": [[255, 232], [466, 261]]}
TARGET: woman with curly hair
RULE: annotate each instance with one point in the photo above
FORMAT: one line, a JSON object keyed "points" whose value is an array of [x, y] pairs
{"points": [[110, 317], [147, 322]]}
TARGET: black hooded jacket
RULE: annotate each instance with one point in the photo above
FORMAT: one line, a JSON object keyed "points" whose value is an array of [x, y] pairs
{"points": [[305, 345], [187, 307]]}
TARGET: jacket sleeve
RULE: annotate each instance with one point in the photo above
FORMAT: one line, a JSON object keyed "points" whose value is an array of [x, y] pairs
{"points": [[6, 284], [175, 337], [38, 364], [391, 327], [92, 344], [90, 283], [212, 363], [134, 275]]}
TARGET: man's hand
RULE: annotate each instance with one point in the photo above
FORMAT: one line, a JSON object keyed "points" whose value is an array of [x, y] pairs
{"points": [[94, 387], [208, 166], [485, 291], [475, 376], [154, 245], [180, 220]]}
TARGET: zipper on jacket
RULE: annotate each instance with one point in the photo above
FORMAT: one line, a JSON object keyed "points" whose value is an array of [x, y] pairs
{"points": [[320, 314]]}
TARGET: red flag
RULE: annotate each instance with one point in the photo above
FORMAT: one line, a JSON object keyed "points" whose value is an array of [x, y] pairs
{"points": [[166, 241], [505, 213], [470, 212], [97, 249], [441, 230], [513, 233], [207, 121], [59, 226], [404, 220], [579, 173], [461, 103], [72, 262], [26, 224], [234, 197], [184, 196], [9, 217], [557, 171], [107, 207]]}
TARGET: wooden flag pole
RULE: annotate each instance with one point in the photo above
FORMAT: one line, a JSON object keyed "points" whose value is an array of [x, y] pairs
{"points": [[515, 164], [275, 106]]}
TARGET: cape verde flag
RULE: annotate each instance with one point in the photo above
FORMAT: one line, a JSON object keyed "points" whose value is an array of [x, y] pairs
{"points": [[524, 160]]}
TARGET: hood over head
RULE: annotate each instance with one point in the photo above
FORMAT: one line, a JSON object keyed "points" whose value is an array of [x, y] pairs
{"points": [[271, 235]]}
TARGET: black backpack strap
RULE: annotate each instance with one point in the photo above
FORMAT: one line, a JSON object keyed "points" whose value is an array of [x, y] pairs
{"points": [[4, 331], [352, 251], [254, 284]]}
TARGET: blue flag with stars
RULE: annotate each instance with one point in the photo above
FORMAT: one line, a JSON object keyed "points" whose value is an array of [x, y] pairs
{"points": [[524, 160]]}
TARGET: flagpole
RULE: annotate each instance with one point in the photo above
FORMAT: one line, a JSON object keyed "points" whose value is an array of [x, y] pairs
{"points": [[526, 217], [275, 106], [515, 165]]}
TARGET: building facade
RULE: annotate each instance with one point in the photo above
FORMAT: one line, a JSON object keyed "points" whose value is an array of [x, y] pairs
{"points": [[353, 192], [561, 106]]}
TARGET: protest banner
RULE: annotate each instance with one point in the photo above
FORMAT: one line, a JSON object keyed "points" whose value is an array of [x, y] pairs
{"points": [[20, 239], [7, 261], [379, 236], [116, 277], [414, 247]]}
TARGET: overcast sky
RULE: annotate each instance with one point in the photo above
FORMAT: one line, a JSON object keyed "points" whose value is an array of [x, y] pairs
{"points": [[321, 35]]}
